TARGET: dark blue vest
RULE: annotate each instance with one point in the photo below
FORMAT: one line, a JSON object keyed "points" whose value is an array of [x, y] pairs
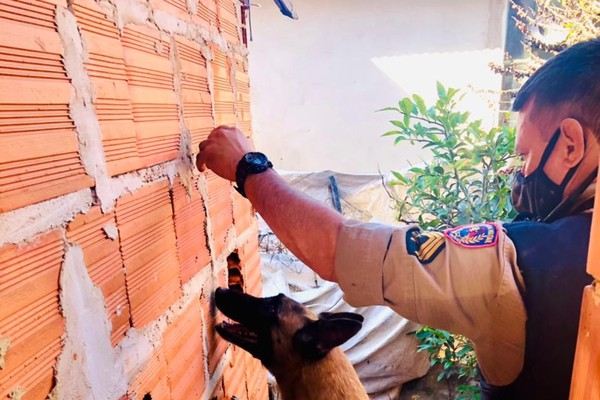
{"points": [[552, 258]]}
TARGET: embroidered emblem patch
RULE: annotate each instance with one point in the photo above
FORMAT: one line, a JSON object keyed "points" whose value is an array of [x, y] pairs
{"points": [[425, 245], [473, 236]]}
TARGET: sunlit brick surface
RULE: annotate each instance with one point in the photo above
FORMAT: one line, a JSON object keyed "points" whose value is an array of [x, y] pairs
{"points": [[137, 98], [197, 106], [234, 376], [207, 12], [184, 354], [39, 158], [216, 345], [242, 81], [223, 89], [30, 316], [103, 261], [106, 69], [227, 12], [152, 381], [190, 227], [148, 246], [220, 211], [243, 214], [150, 77]]}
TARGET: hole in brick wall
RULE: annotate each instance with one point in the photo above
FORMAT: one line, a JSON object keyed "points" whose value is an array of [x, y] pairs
{"points": [[234, 272], [147, 396]]}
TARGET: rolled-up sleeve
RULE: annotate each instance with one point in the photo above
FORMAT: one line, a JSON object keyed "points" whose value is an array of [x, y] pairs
{"points": [[473, 290]]}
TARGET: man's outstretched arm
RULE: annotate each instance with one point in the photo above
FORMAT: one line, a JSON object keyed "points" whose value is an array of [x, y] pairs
{"points": [[306, 227]]}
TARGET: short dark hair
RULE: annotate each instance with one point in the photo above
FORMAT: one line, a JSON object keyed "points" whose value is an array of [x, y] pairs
{"points": [[571, 81]]}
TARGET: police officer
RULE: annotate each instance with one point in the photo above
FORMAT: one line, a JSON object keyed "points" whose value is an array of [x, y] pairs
{"points": [[513, 289]]}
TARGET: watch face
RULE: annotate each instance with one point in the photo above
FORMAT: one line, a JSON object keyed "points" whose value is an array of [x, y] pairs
{"points": [[256, 159]]}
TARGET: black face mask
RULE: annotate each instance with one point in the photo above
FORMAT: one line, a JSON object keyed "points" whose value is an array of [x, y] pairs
{"points": [[535, 194]]}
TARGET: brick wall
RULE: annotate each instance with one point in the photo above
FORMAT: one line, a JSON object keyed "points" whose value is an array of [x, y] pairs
{"points": [[111, 243]]}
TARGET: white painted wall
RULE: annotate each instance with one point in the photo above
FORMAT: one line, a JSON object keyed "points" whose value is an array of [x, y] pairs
{"points": [[317, 81]]}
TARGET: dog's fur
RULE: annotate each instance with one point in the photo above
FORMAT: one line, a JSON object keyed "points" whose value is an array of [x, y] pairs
{"points": [[299, 348]]}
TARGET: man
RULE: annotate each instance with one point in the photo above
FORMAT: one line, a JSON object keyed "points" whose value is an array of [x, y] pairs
{"points": [[513, 289]]}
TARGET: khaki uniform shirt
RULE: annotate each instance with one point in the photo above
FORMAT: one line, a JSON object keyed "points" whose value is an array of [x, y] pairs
{"points": [[468, 285]]}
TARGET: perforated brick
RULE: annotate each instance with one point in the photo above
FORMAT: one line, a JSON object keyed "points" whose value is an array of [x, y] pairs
{"points": [[234, 375], [152, 382], [242, 81], [197, 104], [106, 69], [30, 317], [154, 104], [190, 227], [223, 89], [207, 12], [149, 250], [227, 15], [39, 158], [103, 261], [216, 346], [220, 211], [177, 8], [184, 353]]}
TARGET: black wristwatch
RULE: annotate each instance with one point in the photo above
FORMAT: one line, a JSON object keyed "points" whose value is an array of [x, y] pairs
{"points": [[252, 163]]}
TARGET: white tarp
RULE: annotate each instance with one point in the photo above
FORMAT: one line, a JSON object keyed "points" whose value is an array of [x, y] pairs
{"points": [[383, 352]]}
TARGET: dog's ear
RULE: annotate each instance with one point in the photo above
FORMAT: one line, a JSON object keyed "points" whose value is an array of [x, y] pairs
{"points": [[341, 315], [317, 338]]}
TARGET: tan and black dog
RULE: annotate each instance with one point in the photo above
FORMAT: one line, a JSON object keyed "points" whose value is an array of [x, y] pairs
{"points": [[299, 348]]}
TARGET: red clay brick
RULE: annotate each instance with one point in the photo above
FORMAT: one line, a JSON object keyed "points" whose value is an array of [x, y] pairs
{"points": [[223, 89], [216, 345], [251, 267], [150, 77], [148, 246], [220, 211], [30, 316], [177, 8], [242, 82], [234, 375], [153, 380], [34, 105], [243, 215], [106, 69], [207, 12], [256, 378], [227, 16], [103, 260], [190, 228], [197, 103], [218, 392], [184, 353]]}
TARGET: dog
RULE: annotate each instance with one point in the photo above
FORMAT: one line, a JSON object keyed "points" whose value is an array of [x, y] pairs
{"points": [[297, 347]]}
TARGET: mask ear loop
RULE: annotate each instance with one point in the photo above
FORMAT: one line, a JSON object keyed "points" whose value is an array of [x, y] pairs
{"points": [[540, 168], [567, 203], [570, 201]]}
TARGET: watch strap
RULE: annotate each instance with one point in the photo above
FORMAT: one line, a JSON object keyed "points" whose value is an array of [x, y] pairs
{"points": [[245, 169]]}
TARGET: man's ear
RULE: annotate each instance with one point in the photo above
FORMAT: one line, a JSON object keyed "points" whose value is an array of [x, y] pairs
{"points": [[573, 137], [317, 338]]}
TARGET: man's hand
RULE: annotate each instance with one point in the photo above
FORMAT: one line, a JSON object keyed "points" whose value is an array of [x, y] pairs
{"points": [[222, 151]]}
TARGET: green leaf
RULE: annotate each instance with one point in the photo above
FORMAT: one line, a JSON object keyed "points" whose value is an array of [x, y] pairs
{"points": [[388, 109], [390, 133], [406, 105], [420, 103], [441, 90]]}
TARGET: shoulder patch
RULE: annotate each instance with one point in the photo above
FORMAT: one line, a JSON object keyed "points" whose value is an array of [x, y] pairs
{"points": [[474, 236], [424, 245]]}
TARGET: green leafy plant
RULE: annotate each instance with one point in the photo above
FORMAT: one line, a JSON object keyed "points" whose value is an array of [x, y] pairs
{"points": [[464, 181], [456, 356]]}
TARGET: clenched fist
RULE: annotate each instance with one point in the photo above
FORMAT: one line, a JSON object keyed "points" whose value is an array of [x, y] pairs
{"points": [[222, 150]]}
